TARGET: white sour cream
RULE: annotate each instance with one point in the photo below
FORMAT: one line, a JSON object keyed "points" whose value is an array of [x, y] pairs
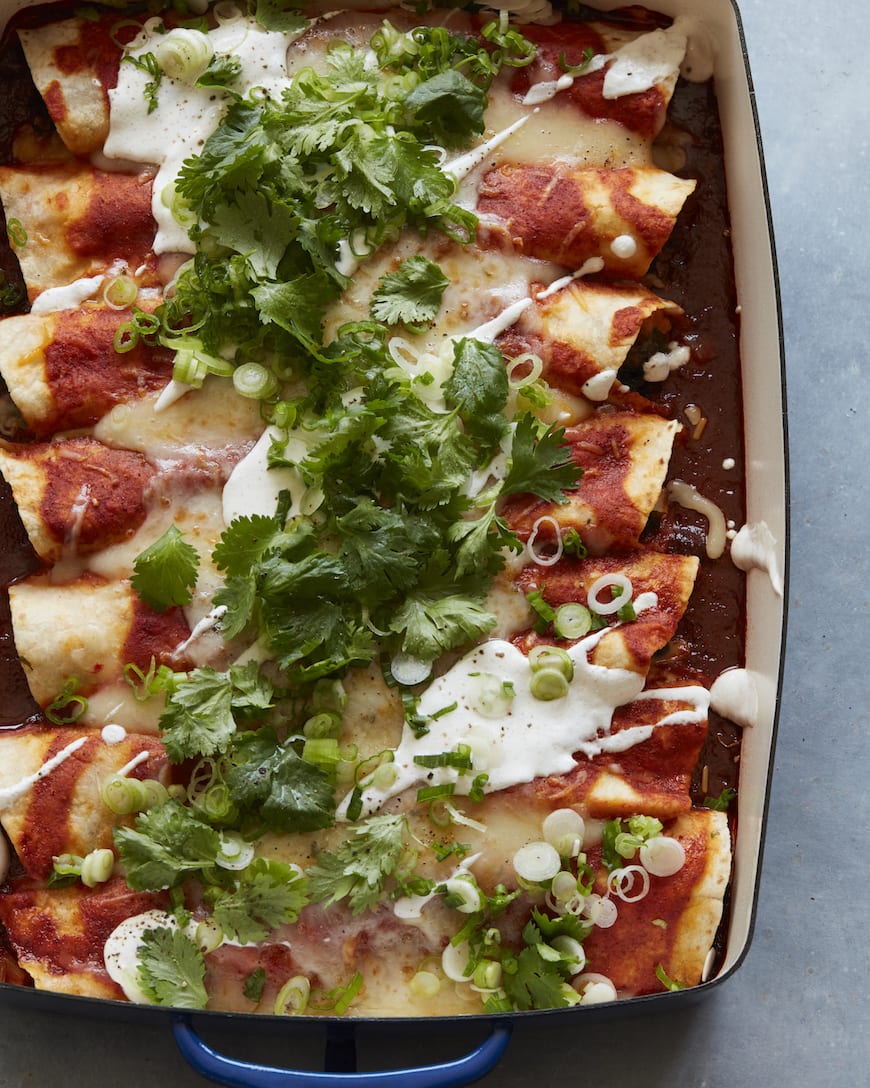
{"points": [[68, 297], [529, 738], [659, 366], [121, 950], [253, 487], [10, 794], [734, 695], [754, 548]]}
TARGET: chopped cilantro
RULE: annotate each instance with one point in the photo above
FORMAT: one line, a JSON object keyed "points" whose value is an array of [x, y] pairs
{"points": [[722, 801], [359, 869], [171, 969], [148, 64], [165, 572], [277, 787], [411, 295], [254, 984], [221, 71], [167, 844], [202, 712], [269, 894]]}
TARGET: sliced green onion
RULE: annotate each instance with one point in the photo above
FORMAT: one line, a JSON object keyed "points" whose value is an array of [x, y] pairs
{"points": [[487, 975], [458, 817], [564, 887], [478, 788], [155, 792], [564, 828], [409, 670], [537, 862], [326, 723], [572, 620], [209, 935], [368, 767], [293, 996], [235, 853], [492, 696], [322, 752], [662, 855], [181, 211], [16, 232], [123, 796], [126, 338], [607, 582], [255, 381], [193, 363], [425, 984], [120, 293], [97, 867], [184, 54], [348, 994], [551, 657], [463, 894], [436, 793], [548, 684], [67, 707], [529, 360], [458, 759], [455, 960], [216, 802], [385, 776]]}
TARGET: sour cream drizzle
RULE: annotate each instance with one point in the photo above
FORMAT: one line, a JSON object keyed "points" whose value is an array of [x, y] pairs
{"points": [[10, 794], [532, 738], [754, 547]]}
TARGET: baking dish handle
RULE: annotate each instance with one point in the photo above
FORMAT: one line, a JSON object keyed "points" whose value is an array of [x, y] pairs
{"points": [[238, 1074]]}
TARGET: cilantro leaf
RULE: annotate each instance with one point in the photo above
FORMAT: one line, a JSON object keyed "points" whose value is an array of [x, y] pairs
{"points": [[412, 294], [481, 541], [167, 844], [256, 228], [447, 109], [381, 548], [435, 620], [533, 982], [280, 16], [254, 984], [540, 464], [297, 306], [171, 969], [221, 71], [478, 387], [200, 714], [165, 572], [269, 894], [721, 802], [279, 787], [358, 870]]}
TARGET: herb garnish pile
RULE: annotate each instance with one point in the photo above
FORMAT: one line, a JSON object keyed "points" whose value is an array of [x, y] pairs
{"points": [[395, 551]]}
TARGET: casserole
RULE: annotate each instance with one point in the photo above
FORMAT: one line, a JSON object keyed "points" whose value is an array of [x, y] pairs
{"points": [[764, 486]]}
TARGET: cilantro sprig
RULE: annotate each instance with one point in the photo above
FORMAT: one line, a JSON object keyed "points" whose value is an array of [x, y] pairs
{"points": [[165, 572]]}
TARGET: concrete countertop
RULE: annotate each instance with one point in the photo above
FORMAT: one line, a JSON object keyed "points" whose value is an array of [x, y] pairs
{"points": [[797, 1010]]}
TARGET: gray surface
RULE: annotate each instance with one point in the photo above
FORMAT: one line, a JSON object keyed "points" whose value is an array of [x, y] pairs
{"points": [[797, 1011]]}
